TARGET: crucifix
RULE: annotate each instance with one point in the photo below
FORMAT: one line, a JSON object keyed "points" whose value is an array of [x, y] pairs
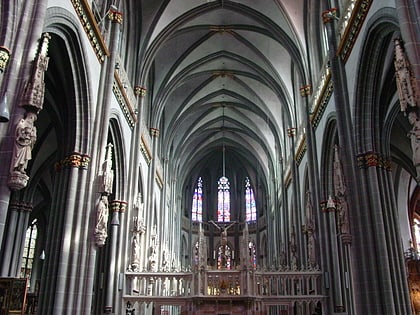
{"points": [[223, 229]]}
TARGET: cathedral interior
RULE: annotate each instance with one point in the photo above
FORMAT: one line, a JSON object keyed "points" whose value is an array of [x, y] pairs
{"points": [[210, 157]]}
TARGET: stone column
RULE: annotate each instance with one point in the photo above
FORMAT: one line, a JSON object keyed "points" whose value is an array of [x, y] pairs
{"points": [[116, 207], [14, 240]]}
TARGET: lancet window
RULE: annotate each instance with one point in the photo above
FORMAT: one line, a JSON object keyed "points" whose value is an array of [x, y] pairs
{"points": [[29, 250], [197, 202], [250, 208], [223, 200]]}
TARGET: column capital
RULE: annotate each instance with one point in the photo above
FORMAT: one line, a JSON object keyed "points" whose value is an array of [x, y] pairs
{"points": [[4, 57], [329, 15], [306, 90], [373, 159], [154, 132], [75, 159], [140, 90], [291, 131], [115, 16]]}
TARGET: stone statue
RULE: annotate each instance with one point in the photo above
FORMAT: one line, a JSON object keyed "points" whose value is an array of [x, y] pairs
{"points": [[223, 229], [102, 221], [135, 252], [406, 83], [138, 229], [153, 260], [24, 142], [310, 229], [340, 193], [414, 135], [107, 172], [293, 250]]}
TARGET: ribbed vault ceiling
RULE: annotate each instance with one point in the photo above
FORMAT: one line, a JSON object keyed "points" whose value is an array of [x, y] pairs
{"points": [[222, 73]]}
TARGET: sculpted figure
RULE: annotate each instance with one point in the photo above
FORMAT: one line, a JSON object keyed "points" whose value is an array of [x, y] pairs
{"points": [[414, 135], [102, 221], [24, 142]]}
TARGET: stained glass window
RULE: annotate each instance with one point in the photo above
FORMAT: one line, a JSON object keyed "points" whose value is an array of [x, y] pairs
{"points": [[223, 200], [29, 251], [197, 203], [250, 209]]}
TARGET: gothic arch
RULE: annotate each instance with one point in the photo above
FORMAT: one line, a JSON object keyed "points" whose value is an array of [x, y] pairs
{"points": [[376, 128]]}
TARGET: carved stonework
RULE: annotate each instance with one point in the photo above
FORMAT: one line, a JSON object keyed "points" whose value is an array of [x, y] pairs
{"points": [[25, 138], [414, 135], [107, 174], [340, 192], [373, 159], [306, 90], [154, 132], [153, 257], [140, 90], [293, 250], [101, 227], [406, 82], [4, 58], [115, 16], [75, 159], [17, 181], [33, 95], [309, 229], [138, 229]]}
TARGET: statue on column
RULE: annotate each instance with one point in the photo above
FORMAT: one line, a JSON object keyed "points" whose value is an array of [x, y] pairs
{"points": [[106, 178], [340, 193], [138, 229], [414, 135], [102, 221], [153, 255], [107, 175], [406, 83], [24, 142], [293, 250], [32, 100], [309, 229]]}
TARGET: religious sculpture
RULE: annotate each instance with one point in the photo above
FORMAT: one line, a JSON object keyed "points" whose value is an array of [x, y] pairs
{"points": [[309, 229], [414, 135], [107, 176], [138, 229], [224, 251], [406, 83], [102, 221], [293, 250], [340, 194], [24, 142]]}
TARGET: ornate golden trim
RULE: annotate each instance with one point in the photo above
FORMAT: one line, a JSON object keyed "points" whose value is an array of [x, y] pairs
{"points": [[91, 28], [4, 57], [124, 101], [352, 30], [75, 159], [373, 159], [144, 149]]}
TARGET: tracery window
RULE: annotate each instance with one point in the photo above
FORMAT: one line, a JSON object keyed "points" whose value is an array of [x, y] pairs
{"points": [[29, 251], [250, 208], [197, 202], [223, 200]]}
